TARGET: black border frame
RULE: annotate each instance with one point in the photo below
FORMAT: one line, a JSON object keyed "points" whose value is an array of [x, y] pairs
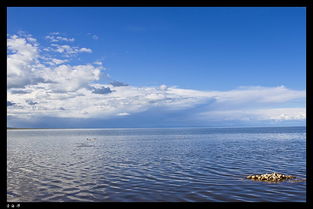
{"points": [[218, 3]]}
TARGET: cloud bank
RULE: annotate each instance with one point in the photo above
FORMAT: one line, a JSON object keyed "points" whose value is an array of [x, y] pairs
{"points": [[43, 83]]}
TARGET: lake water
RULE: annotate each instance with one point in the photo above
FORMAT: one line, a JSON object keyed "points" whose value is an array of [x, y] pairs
{"points": [[171, 164]]}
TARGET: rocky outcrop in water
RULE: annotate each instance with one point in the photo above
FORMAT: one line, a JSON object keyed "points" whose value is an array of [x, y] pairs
{"points": [[270, 177]]}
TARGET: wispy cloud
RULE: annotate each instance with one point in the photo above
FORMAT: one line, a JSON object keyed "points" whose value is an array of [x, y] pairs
{"points": [[56, 37], [93, 36], [67, 50]]}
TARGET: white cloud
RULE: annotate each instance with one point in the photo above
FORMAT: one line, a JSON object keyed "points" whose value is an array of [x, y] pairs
{"points": [[70, 78], [59, 61], [282, 113], [85, 50], [163, 87], [56, 38], [98, 63], [83, 103], [252, 114], [67, 50], [261, 94], [95, 37], [123, 114], [21, 61]]}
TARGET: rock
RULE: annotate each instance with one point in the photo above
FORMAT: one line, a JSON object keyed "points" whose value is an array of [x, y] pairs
{"points": [[270, 177]]}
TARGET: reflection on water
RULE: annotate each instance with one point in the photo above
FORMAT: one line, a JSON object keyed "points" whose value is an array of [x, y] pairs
{"points": [[195, 164]]}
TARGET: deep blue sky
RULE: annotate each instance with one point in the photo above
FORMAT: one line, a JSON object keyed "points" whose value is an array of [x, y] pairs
{"points": [[198, 48]]}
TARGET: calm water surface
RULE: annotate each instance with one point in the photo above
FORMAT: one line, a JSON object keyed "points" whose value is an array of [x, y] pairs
{"points": [[174, 164]]}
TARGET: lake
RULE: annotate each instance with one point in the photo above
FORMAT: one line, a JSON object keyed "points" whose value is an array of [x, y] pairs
{"points": [[154, 165]]}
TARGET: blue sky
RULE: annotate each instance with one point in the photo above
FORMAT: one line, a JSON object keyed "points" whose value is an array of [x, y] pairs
{"points": [[211, 62]]}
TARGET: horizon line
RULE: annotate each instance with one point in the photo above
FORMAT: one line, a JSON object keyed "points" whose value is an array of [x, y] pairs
{"points": [[169, 127]]}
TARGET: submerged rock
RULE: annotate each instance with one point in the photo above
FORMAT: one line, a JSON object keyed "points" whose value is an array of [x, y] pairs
{"points": [[270, 177]]}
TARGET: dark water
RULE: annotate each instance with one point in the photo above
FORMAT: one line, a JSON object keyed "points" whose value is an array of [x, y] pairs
{"points": [[183, 164]]}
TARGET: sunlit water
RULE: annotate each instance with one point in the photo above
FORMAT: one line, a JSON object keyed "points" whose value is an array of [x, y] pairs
{"points": [[183, 164]]}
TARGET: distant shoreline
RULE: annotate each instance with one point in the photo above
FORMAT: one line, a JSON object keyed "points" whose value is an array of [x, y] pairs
{"points": [[10, 128], [35, 128]]}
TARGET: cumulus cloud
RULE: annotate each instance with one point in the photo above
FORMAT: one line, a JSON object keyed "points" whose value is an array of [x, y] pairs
{"points": [[70, 78], [27, 66], [22, 63]]}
